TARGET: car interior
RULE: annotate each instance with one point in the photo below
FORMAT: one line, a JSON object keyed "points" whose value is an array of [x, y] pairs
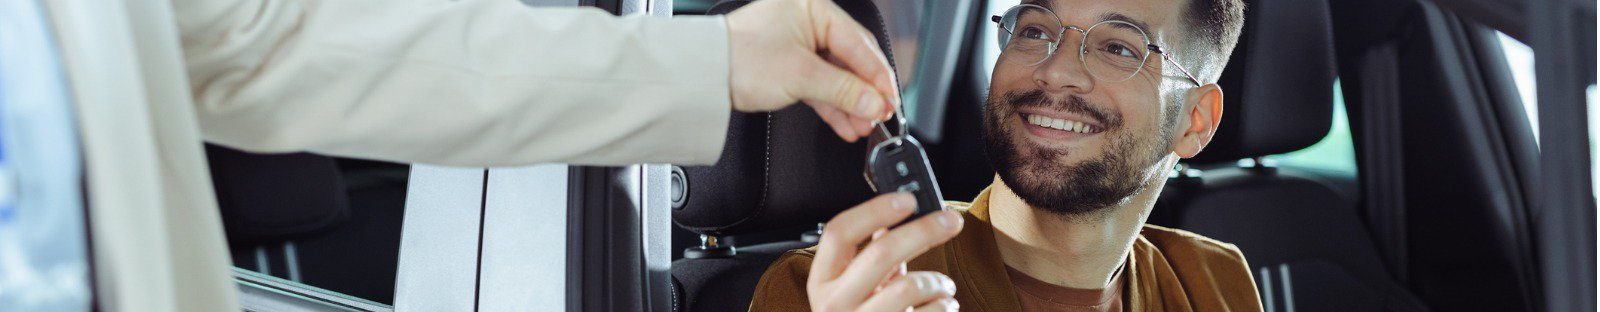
{"points": [[1374, 155], [1424, 209]]}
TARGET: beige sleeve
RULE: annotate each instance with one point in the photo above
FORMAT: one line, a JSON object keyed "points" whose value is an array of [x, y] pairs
{"points": [[467, 83]]}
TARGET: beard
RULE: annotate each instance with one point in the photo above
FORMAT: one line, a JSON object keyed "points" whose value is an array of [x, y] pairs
{"points": [[1039, 175]]}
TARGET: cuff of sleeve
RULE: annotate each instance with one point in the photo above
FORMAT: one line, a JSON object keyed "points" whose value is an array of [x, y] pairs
{"points": [[700, 120]]}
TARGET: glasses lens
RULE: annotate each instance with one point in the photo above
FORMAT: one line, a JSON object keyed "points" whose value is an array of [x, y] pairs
{"points": [[1115, 50], [1033, 32]]}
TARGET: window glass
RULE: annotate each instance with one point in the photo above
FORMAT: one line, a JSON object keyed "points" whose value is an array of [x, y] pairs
{"points": [[989, 38], [1335, 152], [1594, 132], [902, 21], [356, 255], [1520, 57]]}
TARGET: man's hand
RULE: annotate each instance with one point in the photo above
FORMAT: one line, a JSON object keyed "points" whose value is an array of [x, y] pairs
{"points": [[874, 279], [785, 51]]}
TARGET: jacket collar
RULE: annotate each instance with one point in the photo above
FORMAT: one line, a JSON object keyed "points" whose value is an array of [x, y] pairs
{"points": [[973, 260]]}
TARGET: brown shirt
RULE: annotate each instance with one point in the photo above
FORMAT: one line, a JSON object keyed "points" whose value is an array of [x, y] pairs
{"points": [[1035, 295], [1167, 270]]}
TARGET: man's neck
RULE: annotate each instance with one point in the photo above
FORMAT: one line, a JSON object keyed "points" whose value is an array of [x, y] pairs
{"points": [[1078, 252]]}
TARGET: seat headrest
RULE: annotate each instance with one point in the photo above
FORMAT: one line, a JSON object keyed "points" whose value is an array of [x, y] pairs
{"points": [[278, 197], [1278, 85], [781, 169]]}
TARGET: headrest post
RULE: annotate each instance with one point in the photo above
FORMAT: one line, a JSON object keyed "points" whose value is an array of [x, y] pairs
{"points": [[812, 237], [1259, 164], [710, 247], [1183, 171], [708, 241]]}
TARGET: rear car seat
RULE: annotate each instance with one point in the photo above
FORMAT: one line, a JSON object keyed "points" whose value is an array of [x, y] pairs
{"points": [[273, 198], [329, 223], [780, 172]]}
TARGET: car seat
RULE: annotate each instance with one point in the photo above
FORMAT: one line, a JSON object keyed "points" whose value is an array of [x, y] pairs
{"points": [[779, 173], [1308, 247]]}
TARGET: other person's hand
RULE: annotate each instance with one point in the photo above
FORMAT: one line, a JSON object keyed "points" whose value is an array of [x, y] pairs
{"points": [[874, 279], [784, 51]]}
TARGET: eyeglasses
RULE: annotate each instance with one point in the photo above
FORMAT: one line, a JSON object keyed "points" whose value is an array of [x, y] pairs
{"points": [[1111, 50]]}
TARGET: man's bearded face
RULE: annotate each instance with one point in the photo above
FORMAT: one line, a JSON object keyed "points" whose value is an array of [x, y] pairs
{"points": [[1073, 180]]}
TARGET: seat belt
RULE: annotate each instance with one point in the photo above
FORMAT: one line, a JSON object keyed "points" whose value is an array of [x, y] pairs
{"points": [[1562, 36], [1383, 182]]}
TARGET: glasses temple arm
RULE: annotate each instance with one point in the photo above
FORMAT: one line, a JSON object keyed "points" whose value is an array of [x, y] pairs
{"points": [[1181, 69], [1157, 50]]}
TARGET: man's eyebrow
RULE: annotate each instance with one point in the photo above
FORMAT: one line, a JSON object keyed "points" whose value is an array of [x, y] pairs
{"points": [[1050, 4], [1120, 17]]}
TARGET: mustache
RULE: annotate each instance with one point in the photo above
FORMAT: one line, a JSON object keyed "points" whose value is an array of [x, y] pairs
{"points": [[1072, 104]]}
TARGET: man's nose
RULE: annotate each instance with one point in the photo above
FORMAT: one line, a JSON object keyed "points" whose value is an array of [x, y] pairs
{"points": [[1063, 72]]}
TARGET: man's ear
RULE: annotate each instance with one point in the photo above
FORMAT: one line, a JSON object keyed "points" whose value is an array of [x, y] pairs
{"points": [[1204, 114]]}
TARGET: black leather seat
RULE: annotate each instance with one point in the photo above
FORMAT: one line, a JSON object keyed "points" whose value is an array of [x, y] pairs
{"points": [[779, 173], [1301, 233], [325, 222]]}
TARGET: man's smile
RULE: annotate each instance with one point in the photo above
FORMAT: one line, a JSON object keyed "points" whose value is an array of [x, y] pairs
{"points": [[1056, 128]]}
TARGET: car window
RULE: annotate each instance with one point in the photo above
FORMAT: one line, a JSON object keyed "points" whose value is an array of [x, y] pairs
{"points": [[1594, 132], [1335, 152], [902, 22], [1520, 58]]}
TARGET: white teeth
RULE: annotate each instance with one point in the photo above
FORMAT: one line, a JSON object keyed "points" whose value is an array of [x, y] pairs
{"points": [[1059, 124]]}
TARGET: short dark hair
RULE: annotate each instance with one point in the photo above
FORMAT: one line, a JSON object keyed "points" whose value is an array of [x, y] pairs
{"points": [[1214, 27]]}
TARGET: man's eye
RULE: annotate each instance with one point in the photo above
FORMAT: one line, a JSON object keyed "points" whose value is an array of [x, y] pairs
{"points": [[1119, 49], [1033, 32]]}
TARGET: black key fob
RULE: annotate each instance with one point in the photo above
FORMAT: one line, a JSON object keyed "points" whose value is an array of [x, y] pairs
{"points": [[899, 165]]}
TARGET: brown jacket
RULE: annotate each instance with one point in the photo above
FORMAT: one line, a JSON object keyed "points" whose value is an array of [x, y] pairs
{"points": [[1169, 270]]}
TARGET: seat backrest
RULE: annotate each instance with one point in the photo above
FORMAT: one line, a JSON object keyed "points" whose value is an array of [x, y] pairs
{"points": [[778, 170], [1292, 226]]}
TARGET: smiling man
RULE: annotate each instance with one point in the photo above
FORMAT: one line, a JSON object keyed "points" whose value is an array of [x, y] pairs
{"points": [[1091, 104]]}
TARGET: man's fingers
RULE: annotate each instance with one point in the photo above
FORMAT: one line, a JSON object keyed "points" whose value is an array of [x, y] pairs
{"points": [[860, 54], [940, 305], [887, 253], [850, 128], [862, 124], [827, 83], [915, 289], [850, 228], [849, 43], [889, 87], [893, 275], [842, 124]]}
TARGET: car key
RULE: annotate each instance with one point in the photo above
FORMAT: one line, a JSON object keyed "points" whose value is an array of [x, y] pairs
{"points": [[898, 164]]}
